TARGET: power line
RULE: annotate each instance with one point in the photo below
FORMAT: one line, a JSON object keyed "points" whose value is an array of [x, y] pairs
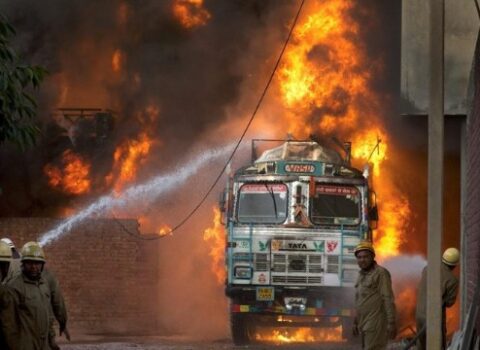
{"points": [[257, 107]]}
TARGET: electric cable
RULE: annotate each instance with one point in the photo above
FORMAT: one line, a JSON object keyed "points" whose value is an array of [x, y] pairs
{"points": [[257, 107]]}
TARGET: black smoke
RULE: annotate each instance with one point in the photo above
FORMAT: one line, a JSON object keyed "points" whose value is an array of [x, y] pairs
{"points": [[191, 75]]}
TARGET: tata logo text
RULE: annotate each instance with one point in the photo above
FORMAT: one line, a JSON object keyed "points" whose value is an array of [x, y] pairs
{"points": [[299, 168], [297, 246]]}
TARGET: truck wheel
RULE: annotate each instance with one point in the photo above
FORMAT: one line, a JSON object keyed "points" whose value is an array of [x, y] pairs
{"points": [[239, 328]]}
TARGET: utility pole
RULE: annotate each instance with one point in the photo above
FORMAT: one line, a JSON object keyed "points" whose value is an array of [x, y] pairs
{"points": [[435, 175]]}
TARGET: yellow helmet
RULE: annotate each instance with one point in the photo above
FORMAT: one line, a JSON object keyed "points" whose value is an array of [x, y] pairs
{"points": [[32, 251], [8, 241], [364, 245], [451, 256], [5, 252]]}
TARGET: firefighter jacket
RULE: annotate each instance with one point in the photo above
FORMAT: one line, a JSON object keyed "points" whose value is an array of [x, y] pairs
{"points": [[375, 306], [14, 269], [56, 296], [9, 331], [33, 311], [449, 291]]}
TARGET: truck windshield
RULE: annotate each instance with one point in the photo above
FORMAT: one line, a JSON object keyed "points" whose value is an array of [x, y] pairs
{"points": [[262, 203], [335, 205]]}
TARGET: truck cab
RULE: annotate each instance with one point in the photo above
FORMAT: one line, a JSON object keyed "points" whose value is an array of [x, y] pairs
{"points": [[293, 218]]}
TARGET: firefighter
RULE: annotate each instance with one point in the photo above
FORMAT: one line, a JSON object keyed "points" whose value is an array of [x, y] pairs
{"points": [[375, 319], [449, 284], [15, 261], [58, 305], [8, 324], [32, 299], [56, 297]]}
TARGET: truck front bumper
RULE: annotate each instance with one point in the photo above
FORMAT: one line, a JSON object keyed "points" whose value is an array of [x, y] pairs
{"points": [[315, 301]]}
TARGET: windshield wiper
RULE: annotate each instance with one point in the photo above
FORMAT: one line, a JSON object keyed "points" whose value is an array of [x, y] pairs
{"points": [[270, 190]]}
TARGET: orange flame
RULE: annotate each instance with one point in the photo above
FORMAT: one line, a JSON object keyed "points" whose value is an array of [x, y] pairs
{"points": [[164, 230], [407, 299], [149, 224], [127, 157], [216, 237], [453, 318], [299, 335], [371, 146], [117, 60], [74, 177], [324, 86], [190, 13], [321, 70]]}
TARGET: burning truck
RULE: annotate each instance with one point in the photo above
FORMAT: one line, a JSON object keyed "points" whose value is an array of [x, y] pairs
{"points": [[293, 218]]}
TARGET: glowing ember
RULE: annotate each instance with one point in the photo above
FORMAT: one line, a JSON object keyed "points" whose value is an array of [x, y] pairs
{"points": [[117, 60], [149, 224], [73, 178], [127, 157], [164, 230], [190, 13], [216, 237], [299, 335]]}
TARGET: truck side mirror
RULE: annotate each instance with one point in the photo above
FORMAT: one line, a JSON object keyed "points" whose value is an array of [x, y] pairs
{"points": [[373, 210], [373, 217], [373, 213], [222, 201]]}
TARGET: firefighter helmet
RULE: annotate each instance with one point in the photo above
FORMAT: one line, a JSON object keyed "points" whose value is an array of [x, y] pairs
{"points": [[8, 241], [451, 256], [364, 245], [5, 252], [32, 251]]}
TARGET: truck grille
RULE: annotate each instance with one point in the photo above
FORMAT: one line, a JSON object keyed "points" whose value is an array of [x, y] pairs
{"points": [[297, 279], [332, 264], [261, 262], [297, 268]]}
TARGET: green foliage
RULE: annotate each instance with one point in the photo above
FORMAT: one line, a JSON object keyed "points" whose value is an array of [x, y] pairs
{"points": [[17, 106]]}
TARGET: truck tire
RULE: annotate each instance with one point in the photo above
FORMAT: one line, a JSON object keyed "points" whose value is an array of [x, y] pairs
{"points": [[239, 328]]}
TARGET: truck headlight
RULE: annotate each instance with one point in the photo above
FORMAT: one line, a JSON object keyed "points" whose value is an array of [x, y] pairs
{"points": [[242, 272]]}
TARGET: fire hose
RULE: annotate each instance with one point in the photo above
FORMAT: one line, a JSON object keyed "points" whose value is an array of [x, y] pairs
{"points": [[420, 332], [414, 340]]}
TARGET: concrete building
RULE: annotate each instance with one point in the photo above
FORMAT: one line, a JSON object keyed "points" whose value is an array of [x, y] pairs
{"points": [[461, 99]]}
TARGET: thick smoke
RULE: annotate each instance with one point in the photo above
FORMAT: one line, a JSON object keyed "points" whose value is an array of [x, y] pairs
{"points": [[191, 77], [202, 83], [195, 80]]}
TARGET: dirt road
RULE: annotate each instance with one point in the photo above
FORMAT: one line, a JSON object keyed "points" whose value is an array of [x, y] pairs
{"points": [[180, 343]]}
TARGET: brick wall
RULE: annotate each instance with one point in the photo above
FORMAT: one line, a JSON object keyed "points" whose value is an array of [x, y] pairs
{"points": [[109, 277], [472, 204]]}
